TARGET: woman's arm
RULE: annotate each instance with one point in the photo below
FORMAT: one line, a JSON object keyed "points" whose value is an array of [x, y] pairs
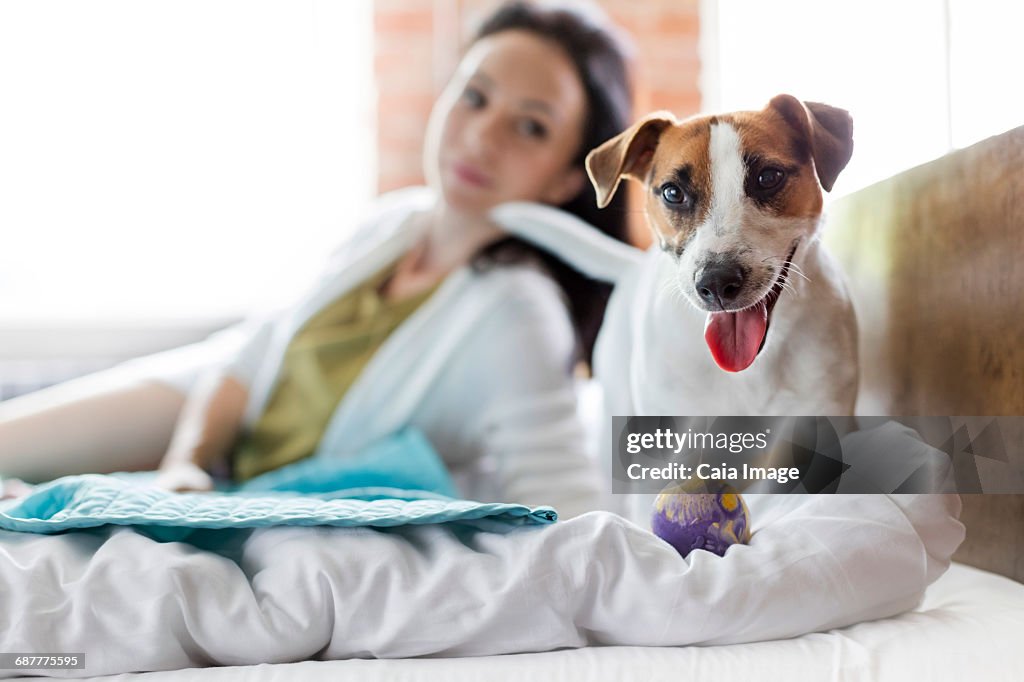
{"points": [[102, 422], [206, 429]]}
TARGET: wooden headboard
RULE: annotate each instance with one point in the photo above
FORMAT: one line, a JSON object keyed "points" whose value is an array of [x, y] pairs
{"points": [[934, 258]]}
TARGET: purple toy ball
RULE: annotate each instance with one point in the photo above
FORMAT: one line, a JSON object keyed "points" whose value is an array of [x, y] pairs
{"points": [[709, 521]]}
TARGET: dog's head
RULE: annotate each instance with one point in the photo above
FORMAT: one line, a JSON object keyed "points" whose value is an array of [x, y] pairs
{"points": [[730, 198]]}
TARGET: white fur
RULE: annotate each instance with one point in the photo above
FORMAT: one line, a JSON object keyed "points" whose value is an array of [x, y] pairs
{"points": [[727, 173]]}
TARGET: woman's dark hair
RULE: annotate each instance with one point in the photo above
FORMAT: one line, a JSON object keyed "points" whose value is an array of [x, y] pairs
{"points": [[600, 62]]}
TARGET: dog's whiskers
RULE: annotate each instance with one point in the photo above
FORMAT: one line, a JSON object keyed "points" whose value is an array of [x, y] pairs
{"points": [[671, 288], [680, 294], [796, 269], [786, 286]]}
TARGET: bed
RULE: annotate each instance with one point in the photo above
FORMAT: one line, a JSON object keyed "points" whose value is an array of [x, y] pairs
{"points": [[971, 620], [968, 627]]}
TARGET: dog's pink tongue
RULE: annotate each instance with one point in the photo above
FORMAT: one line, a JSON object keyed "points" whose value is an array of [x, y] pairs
{"points": [[735, 338]]}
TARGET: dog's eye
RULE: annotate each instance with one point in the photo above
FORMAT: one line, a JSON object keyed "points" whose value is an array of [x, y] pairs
{"points": [[675, 195], [770, 178]]}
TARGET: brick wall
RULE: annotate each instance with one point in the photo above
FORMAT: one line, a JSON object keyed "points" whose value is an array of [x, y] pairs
{"points": [[418, 42]]}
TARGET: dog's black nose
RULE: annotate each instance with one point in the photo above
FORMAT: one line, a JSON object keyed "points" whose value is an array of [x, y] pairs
{"points": [[720, 284]]}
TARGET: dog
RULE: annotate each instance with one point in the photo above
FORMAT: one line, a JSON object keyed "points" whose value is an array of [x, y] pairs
{"points": [[737, 309]]}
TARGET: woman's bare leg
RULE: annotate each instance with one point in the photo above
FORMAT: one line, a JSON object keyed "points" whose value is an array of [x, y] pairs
{"points": [[95, 424]]}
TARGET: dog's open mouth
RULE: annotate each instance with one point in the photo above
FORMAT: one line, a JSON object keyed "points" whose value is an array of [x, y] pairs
{"points": [[736, 337]]}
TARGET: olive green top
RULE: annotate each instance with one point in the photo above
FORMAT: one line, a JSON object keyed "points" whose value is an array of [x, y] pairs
{"points": [[322, 361]]}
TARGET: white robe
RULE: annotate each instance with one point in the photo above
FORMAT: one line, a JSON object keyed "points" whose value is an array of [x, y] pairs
{"points": [[483, 367]]}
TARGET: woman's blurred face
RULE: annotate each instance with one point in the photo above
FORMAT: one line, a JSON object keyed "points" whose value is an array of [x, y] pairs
{"points": [[508, 126]]}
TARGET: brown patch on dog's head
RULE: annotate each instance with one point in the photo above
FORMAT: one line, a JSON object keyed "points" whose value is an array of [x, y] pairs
{"points": [[667, 156], [681, 163], [628, 154], [771, 149], [803, 144], [827, 130]]}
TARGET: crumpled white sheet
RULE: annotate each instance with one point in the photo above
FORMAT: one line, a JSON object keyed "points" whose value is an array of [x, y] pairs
{"points": [[288, 594]]}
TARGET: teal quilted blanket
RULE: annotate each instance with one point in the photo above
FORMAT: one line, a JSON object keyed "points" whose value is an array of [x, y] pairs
{"points": [[396, 482]]}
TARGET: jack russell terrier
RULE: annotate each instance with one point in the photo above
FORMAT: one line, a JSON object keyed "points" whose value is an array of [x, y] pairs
{"points": [[738, 310]]}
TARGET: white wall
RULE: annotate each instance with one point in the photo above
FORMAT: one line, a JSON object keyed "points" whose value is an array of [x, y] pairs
{"points": [[177, 159]]}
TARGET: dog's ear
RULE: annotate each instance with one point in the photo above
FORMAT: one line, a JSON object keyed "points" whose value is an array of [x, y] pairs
{"points": [[828, 130], [627, 154]]}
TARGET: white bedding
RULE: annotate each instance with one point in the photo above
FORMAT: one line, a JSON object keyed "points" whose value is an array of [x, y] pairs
{"points": [[290, 594], [969, 627]]}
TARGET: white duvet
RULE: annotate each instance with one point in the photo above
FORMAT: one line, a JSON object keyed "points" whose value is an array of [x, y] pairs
{"points": [[287, 594]]}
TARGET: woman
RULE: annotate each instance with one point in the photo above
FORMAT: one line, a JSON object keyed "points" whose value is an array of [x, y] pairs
{"points": [[432, 316]]}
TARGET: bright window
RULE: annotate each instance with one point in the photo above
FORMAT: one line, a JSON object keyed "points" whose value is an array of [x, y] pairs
{"points": [[918, 76], [177, 159]]}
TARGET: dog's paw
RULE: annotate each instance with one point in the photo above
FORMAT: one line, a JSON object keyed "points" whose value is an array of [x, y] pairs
{"points": [[183, 478]]}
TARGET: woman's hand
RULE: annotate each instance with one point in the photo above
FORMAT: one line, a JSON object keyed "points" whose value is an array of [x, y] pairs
{"points": [[205, 430], [13, 488], [183, 477]]}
